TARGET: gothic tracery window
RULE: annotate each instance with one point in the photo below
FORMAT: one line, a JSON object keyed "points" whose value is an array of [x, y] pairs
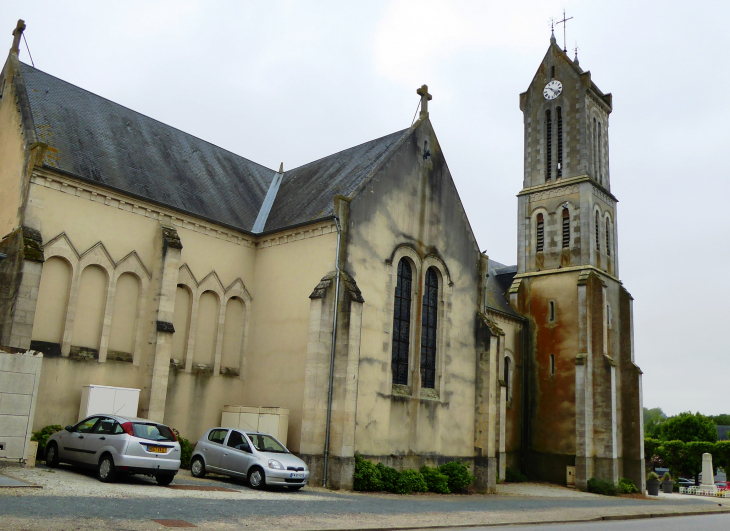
{"points": [[402, 323], [429, 323]]}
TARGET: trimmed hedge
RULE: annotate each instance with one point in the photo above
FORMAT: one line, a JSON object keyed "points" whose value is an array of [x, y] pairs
{"points": [[602, 486], [435, 480], [451, 477]]}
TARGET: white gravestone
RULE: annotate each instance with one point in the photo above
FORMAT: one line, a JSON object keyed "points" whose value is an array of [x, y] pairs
{"points": [[708, 475]]}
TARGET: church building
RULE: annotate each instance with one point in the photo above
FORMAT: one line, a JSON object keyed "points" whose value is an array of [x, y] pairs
{"points": [[350, 290]]}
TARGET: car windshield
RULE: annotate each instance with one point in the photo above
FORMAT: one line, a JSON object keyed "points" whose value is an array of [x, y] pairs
{"points": [[153, 432], [266, 443]]}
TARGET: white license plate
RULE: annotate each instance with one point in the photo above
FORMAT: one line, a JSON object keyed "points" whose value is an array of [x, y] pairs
{"points": [[297, 475]]}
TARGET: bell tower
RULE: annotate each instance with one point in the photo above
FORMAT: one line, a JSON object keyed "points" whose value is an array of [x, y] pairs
{"points": [[583, 393]]}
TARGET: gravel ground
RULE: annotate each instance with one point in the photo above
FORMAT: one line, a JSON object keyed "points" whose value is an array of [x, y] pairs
{"points": [[72, 499]]}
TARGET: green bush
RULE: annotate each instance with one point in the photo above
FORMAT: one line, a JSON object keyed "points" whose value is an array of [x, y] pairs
{"points": [[435, 480], [42, 438], [458, 474], [626, 486], [367, 475], [414, 481], [392, 480], [651, 476], [602, 486], [514, 476], [186, 449], [667, 477]]}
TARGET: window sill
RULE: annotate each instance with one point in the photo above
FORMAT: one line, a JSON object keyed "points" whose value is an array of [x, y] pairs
{"points": [[401, 390], [429, 394]]}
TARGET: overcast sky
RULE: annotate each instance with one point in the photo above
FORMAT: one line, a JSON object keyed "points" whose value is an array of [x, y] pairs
{"points": [[295, 81]]}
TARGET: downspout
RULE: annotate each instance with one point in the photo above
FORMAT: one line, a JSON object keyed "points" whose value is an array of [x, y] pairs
{"points": [[332, 355]]}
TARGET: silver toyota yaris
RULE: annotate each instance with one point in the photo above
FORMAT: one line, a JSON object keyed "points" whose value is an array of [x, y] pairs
{"points": [[257, 457], [114, 444]]}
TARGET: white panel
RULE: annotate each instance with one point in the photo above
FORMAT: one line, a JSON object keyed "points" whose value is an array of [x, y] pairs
{"points": [[15, 404], [101, 400], [249, 421], [126, 402]]}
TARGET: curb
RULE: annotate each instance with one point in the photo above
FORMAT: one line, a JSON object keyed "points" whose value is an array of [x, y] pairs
{"points": [[640, 516]]}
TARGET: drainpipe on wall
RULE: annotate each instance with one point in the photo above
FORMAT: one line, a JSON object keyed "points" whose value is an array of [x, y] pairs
{"points": [[332, 355]]}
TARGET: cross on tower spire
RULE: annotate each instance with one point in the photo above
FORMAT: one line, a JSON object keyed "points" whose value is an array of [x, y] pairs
{"points": [[17, 34], [425, 97], [565, 46]]}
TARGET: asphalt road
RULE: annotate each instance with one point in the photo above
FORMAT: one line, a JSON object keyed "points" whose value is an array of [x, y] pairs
{"points": [[677, 523]]}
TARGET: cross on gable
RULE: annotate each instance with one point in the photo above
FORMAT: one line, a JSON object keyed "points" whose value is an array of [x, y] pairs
{"points": [[425, 98], [563, 22], [17, 34]]}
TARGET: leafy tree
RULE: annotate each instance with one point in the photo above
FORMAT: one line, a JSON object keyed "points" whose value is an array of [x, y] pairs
{"points": [[688, 428], [722, 455], [653, 419], [650, 448], [721, 420], [673, 453]]}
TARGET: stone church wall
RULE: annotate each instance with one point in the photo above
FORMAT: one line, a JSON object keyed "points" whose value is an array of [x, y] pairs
{"points": [[288, 267], [410, 210]]}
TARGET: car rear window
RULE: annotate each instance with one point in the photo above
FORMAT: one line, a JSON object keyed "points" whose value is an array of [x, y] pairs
{"points": [[153, 432]]}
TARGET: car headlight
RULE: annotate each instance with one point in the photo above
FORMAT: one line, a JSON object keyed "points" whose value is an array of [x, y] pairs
{"points": [[273, 463]]}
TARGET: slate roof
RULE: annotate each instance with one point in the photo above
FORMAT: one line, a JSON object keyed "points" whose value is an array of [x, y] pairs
{"points": [[498, 284], [106, 143], [306, 192]]}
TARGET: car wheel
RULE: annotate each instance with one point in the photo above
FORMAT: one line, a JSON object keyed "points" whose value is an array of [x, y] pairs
{"points": [[106, 471], [197, 468], [296, 487], [164, 479], [256, 478], [52, 455]]}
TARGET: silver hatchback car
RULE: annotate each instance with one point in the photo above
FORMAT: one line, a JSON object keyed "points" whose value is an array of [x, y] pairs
{"points": [[257, 457], [114, 444]]}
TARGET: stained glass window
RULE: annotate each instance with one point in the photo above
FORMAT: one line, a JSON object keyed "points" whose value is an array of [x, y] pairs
{"points": [[429, 318], [402, 323]]}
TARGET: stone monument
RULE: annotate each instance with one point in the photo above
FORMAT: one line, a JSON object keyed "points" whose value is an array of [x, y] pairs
{"points": [[708, 476]]}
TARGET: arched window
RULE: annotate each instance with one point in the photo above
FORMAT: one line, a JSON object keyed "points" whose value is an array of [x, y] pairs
{"points": [[566, 228], [552, 364], [548, 145], [540, 233], [552, 311], [608, 238], [506, 377], [559, 171], [402, 323], [598, 241], [429, 322]]}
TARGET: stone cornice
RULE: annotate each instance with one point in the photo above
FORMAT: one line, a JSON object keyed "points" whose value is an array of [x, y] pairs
{"points": [[557, 186], [573, 269], [167, 216]]}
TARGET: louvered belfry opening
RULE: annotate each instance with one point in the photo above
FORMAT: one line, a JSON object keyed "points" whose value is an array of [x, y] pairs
{"points": [[429, 324], [540, 233], [608, 237], [566, 228], [548, 145], [506, 376], [598, 240], [559, 171], [600, 162], [402, 323]]}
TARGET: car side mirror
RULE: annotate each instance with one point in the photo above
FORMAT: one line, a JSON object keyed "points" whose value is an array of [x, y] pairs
{"points": [[70, 429]]}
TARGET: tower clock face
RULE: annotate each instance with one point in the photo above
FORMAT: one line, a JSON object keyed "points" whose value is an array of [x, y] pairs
{"points": [[552, 90]]}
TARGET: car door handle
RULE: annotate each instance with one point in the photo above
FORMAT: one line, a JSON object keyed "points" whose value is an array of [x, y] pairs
{"points": [[102, 438], [81, 436]]}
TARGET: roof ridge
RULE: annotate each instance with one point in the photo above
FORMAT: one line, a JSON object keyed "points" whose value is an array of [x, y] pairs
{"points": [[144, 116]]}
